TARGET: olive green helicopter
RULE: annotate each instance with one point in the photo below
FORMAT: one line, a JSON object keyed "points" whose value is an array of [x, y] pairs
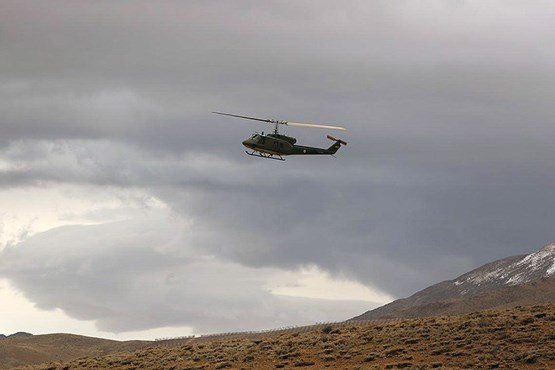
{"points": [[275, 145]]}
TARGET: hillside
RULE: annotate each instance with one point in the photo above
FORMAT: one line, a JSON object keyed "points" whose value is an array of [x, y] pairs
{"points": [[36, 349], [516, 338], [514, 281], [18, 334]]}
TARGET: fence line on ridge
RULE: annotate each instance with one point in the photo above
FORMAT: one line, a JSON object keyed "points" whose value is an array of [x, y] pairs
{"points": [[256, 334]]}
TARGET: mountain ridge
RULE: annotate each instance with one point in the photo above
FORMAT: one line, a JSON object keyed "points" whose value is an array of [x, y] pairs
{"points": [[18, 334], [526, 279]]}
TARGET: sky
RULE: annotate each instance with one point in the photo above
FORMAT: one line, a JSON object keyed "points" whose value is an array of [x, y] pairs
{"points": [[129, 211]]}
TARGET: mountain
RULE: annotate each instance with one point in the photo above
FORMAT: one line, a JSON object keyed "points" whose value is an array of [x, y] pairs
{"points": [[22, 350], [20, 334], [514, 281]]}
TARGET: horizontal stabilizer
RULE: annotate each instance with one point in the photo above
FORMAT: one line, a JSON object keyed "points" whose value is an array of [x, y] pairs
{"points": [[338, 140]]}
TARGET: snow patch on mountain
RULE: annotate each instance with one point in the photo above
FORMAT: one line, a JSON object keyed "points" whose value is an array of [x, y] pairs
{"points": [[536, 260], [517, 279], [485, 277], [510, 271]]}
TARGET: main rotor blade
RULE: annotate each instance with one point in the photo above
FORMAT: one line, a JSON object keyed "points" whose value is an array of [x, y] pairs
{"points": [[282, 122], [315, 126], [246, 117]]}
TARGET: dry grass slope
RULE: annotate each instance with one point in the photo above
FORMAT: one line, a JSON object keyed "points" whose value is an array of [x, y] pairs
{"points": [[515, 338]]}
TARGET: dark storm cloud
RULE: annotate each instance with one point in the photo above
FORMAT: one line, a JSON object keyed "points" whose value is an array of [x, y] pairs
{"points": [[448, 105]]}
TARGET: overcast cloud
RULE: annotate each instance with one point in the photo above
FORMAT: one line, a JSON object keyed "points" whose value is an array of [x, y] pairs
{"points": [[141, 274], [449, 111]]}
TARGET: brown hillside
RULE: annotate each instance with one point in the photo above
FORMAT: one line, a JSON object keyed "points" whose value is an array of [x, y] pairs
{"points": [[516, 338], [20, 351]]}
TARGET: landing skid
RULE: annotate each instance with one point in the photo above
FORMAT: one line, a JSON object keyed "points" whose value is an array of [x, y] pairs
{"points": [[265, 156]]}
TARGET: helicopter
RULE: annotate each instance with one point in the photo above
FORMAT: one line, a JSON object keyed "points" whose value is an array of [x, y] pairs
{"points": [[275, 145]]}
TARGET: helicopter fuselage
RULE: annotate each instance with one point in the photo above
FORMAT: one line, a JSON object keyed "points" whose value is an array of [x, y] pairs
{"points": [[276, 144]]}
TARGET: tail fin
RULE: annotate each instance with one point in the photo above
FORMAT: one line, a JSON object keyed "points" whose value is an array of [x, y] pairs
{"points": [[335, 146]]}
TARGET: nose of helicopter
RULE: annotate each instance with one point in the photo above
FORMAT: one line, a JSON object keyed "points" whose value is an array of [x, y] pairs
{"points": [[249, 143]]}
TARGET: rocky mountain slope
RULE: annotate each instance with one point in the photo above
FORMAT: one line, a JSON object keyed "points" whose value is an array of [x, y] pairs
{"points": [[509, 282], [20, 350]]}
